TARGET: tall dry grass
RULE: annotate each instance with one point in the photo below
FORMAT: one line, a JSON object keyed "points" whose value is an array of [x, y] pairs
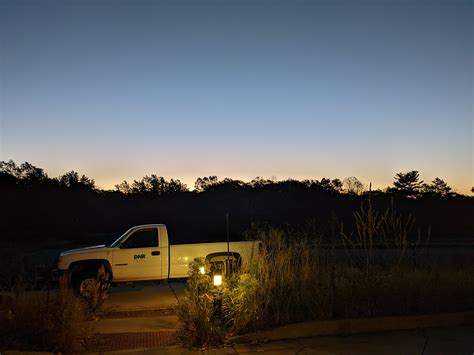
{"points": [[296, 279], [42, 320]]}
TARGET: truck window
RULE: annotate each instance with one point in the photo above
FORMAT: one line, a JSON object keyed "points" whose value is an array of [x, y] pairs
{"points": [[143, 238]]}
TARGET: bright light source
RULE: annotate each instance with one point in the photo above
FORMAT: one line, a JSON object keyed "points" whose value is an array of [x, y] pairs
{"points": [[202, 270], [217, 280]]}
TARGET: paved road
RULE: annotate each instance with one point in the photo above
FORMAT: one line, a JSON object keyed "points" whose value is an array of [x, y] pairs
{"points": [[136, 305]]}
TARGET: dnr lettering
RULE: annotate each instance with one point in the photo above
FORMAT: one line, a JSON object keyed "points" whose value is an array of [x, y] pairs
{"points": [[140, 256]]}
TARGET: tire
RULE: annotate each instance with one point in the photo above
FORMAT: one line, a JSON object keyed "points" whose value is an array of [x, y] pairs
{"points": [[86, 285], [92, 286]]}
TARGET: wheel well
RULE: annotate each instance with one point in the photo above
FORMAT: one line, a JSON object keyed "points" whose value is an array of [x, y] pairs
{"points": [[231, 262], [90, 266], [222, 256]]}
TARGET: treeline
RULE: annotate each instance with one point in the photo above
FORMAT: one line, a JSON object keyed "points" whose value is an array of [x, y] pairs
{"points": [[405, 184], [72, 207]]}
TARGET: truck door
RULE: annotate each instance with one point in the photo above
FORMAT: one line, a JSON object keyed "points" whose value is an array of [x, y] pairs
{"points": [[138, 257]]}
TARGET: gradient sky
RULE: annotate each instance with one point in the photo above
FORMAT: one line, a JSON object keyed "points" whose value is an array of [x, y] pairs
{"points": [[182, 89]]}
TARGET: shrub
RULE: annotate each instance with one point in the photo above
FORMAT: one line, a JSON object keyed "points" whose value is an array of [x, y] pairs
{"points": [[200, 323]]}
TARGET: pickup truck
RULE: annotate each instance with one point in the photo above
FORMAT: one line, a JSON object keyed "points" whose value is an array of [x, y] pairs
{"points": [[145, 253]]}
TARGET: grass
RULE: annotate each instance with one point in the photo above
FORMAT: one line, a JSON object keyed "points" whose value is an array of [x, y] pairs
{"points": [[296, 280], [45, 320]]}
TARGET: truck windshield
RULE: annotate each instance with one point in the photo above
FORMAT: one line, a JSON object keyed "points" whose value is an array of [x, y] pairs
{"points": [[119, 239]]}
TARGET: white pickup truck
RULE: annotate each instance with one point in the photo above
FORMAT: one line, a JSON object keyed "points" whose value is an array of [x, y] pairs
{"points": [[144, 253]]}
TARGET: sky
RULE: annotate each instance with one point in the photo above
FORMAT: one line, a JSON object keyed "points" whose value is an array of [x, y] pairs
{"points": [[285, 89]]}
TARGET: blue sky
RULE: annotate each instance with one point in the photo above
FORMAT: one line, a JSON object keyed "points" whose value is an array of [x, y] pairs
{"points": [[182, 89]]}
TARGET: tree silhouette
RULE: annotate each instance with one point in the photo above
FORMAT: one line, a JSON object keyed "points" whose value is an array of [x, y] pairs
{"points": [[69, 179], [353, 186], [326, 184], [437, 188], [175, 186], [151, 185], [32, 174], [259, 182], [336, 185], [228, 183], [205, 183], [10, 168], [25, 174], [72, 179], [407, 184], [124, 187]]}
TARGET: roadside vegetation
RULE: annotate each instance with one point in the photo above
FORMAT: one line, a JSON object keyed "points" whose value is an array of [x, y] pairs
{"points": [[42, 321], [53, 320], [380, 270]]}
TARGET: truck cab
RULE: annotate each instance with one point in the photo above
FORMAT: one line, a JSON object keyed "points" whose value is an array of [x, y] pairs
{"points": [[141, 254]]}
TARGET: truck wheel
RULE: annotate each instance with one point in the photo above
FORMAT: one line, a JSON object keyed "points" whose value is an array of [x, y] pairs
{"points": [[87, 285], [92, 285]]}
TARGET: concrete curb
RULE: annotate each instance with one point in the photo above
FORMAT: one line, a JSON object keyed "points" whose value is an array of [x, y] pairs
{"points": [[356, 326]]}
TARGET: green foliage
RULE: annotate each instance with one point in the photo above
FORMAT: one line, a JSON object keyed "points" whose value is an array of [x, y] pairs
{"points": [[240, 307], [209, 314], [198, 310]]}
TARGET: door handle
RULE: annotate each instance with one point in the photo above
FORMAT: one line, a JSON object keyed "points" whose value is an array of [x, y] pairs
{"points": [[155, 253]]}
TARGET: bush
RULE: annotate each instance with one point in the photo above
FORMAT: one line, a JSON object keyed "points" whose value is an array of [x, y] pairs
{"points": [[198, 310], [209, 314]]}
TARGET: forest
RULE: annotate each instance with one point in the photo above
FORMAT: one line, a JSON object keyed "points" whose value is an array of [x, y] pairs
{"points": [[71, 207]]}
